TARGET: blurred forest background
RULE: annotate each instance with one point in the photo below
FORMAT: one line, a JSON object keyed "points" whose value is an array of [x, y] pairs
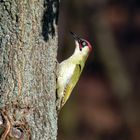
{"points": [[105, 105]]}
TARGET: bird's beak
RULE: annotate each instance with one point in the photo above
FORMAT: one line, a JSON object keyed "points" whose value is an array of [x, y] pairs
{"points": [[77, 39], [75, 36]]}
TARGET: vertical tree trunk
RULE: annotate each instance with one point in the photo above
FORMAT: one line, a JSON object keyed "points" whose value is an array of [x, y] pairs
{"points": [[28, 49]]}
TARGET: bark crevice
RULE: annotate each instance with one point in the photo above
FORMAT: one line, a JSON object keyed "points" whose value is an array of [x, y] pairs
{"points": [[50, 18]]}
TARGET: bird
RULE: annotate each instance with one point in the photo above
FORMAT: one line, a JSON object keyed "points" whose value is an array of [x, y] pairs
{"points": [[69, 70]]}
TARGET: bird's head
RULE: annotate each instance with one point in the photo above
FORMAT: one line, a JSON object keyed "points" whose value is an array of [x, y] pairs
{"points": [[82, 45]]}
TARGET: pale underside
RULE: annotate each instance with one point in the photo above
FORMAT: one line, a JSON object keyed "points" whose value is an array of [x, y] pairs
{"points": [[67, 78]]}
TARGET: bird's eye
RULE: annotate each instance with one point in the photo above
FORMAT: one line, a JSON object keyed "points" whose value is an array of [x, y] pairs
{"points": [[83, 43]]}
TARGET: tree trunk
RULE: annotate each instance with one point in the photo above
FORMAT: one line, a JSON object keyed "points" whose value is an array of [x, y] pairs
{"points": [[28, 49]]}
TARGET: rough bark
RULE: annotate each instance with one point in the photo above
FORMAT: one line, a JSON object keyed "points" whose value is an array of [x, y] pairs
{"points": [[28, 48]]}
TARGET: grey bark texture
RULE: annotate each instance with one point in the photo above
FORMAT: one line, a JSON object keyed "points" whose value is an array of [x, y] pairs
{"points": [[28, 49]]}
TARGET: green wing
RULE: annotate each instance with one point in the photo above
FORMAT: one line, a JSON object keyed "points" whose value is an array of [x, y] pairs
{"points": [[71, 83]]}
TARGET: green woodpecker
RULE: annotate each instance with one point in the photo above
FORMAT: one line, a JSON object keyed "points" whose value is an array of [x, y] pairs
{"points": [[70, 70]]}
